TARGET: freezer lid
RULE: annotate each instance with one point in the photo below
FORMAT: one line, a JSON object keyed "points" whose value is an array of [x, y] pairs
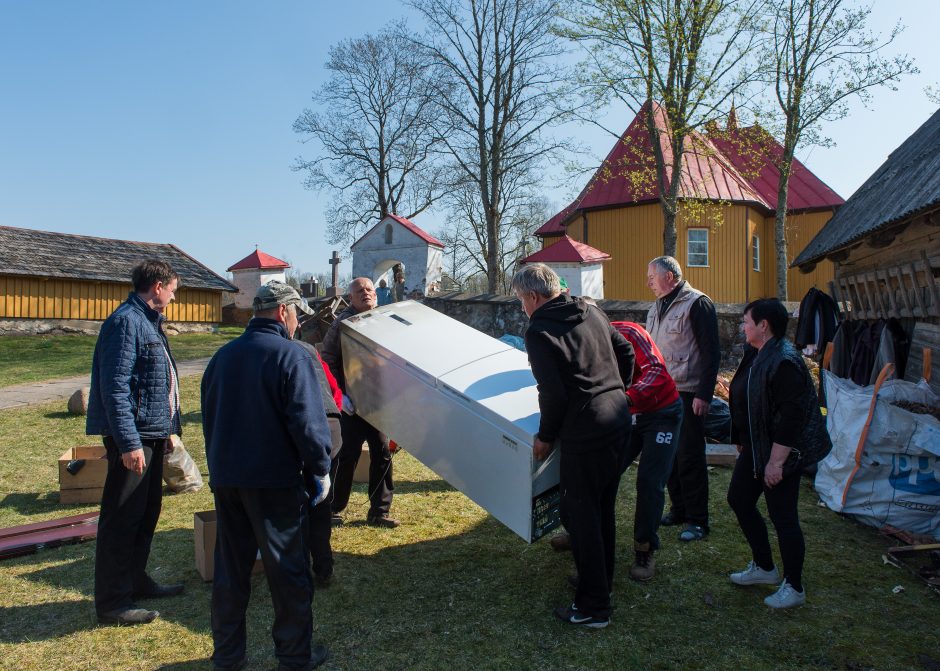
{"points": [[393, 328], [502, 386]]}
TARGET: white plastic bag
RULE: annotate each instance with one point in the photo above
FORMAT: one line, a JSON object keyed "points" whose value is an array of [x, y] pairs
{"points": [[179, 470], [889, 474]]}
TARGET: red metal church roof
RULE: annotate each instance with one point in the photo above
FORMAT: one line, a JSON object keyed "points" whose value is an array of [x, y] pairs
{"points": [[567, 250], [258, 260], [711, 169]]}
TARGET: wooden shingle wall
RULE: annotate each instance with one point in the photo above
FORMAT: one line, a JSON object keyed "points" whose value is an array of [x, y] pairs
{"points": [[38, 298]]}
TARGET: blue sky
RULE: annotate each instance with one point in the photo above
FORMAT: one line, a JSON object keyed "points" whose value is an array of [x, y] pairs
{"points": [[171, 121]]}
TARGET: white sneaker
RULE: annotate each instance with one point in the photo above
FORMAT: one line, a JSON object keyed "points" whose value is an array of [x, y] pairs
{"points": [[786, 597], [755, 575]]}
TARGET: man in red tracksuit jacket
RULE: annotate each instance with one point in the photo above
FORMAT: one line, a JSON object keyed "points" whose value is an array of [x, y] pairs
{"points": [[657, 416]]}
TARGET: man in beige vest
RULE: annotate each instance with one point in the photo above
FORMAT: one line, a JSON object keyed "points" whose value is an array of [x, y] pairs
{"points": [[683, 324]]}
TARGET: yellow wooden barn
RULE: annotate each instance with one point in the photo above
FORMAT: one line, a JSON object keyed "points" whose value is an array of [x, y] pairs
{"points": [[64, 277]]}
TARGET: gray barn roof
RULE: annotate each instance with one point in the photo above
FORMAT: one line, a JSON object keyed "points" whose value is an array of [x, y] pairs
{"points": [[905, 185], [30, 253]]}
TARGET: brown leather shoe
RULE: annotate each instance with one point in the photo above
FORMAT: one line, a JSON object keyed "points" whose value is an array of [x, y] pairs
{"points": [[560, 542], [644, 565]]}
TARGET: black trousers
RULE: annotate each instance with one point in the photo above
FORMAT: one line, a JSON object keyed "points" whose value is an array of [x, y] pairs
{"points": [[319, 524], [589, 483], [743, 493], [356, 430], [688, 482], [130, 508], [655, 435], [272, 519]]}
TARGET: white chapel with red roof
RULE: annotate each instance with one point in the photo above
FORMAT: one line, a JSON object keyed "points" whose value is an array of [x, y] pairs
{"points": [[578, 264], [254, 270], [398, 242]]}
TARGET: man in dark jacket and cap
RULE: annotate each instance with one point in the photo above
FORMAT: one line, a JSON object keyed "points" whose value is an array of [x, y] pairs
{"points": [[579, 362], [264, 421]]}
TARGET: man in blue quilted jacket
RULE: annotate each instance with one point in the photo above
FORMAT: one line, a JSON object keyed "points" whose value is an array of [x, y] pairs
{"points": [[134, 405]]}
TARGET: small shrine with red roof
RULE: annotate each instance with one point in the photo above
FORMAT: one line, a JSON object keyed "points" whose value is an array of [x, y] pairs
{"points": [[725, 223], [578, 264], [397, 247], [254, 270]]}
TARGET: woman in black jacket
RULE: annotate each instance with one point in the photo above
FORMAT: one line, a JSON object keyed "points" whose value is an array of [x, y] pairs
{"points": [[778, 429]]}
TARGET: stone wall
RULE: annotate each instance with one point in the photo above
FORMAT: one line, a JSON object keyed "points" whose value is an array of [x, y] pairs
{"points": [[498, 315], [86, 327]]}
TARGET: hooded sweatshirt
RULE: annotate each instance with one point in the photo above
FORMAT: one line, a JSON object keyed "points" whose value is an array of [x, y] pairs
{"points": [[579, 362]]}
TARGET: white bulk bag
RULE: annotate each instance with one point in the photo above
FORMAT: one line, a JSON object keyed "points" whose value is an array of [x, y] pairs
{"points": [[884, 467]]}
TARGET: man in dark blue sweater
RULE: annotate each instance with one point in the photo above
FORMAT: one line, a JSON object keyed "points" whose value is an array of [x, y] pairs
{"points": [[264, 422]]}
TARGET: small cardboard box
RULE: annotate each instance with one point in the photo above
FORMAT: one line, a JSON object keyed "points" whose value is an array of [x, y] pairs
{"points": [[361, 474], [205, 532], [86, 485]]}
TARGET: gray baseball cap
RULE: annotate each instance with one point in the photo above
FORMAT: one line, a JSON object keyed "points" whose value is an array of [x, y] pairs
{"points": [[276, 293]]}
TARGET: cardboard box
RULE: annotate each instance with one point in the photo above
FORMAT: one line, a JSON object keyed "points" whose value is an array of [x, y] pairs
{"points": [[204, 526], [361, 474], [87, 483]]}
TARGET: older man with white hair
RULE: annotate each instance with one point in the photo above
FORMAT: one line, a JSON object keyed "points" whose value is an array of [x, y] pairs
{"points": [[362, 298], [683, 324], [579, 362]]}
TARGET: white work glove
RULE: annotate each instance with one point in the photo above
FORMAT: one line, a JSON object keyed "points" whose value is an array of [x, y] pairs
{"points": [[348, 406], [321, 489]]}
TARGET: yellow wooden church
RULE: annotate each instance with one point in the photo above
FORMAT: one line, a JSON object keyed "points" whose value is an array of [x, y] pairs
{"points": [[725, 225]]}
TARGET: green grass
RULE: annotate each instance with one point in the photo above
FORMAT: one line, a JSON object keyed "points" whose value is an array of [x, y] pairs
{"points": [[36, 358], [453, 589]]}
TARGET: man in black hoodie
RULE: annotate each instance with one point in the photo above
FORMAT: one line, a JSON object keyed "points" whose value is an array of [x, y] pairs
{"points": [[579, 362]]}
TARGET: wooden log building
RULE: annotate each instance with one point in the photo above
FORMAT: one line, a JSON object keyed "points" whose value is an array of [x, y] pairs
{"points": [[885, 244], [64, 277]]}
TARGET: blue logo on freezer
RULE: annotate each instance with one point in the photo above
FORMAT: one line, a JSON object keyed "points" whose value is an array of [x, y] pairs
{"points": [[917, 475]]}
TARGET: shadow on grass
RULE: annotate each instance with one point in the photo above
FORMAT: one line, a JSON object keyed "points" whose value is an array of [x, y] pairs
{"points": [[420, 486], [188, 665], [194, 417], [44, 621], [23, 624], [59, 415], [35, 503]]}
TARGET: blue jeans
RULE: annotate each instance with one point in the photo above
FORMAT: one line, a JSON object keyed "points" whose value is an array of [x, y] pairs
{"points": [[656, 436]]}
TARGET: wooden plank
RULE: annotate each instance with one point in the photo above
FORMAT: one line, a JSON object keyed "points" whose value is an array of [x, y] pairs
{"points": [[918, 295], [869, 304], [29, 543], [931, 283], [45, 525], [907, 299], [876, 289], [925, 335], [892, 304], [910, 549]]}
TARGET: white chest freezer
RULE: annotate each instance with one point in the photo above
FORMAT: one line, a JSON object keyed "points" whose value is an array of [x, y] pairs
{"points": [[463, 403]]}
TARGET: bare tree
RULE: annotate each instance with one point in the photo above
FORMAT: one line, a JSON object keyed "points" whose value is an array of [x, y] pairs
{"points": [[374, 128], [821, 54], [689, 55], [466, 242], [501, 86]]}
